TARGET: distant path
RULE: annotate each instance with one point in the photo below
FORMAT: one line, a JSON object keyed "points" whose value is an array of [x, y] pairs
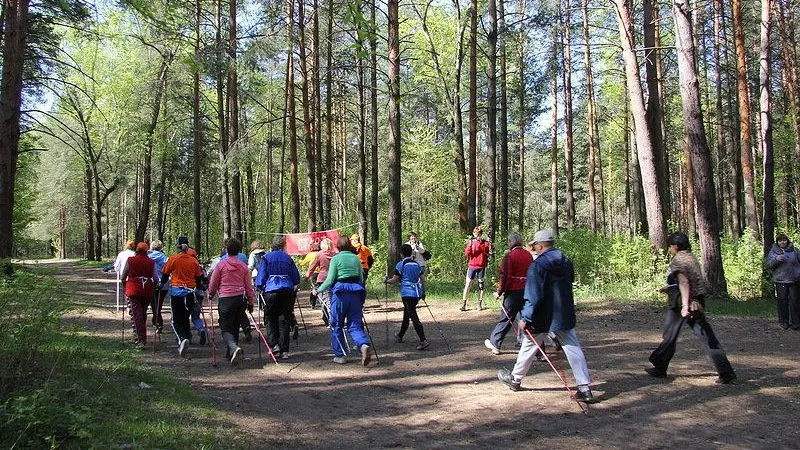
{"points": [[436, 398]]}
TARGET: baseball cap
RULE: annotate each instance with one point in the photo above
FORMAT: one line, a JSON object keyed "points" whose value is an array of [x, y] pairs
{"points": [[183, 240], [543, 236]]}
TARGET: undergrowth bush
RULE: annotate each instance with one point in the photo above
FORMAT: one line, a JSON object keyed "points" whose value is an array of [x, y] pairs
{"points": [[743, 263]]}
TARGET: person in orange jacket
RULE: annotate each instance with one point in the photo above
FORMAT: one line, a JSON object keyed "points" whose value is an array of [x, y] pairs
{"points": [[364, 254]]}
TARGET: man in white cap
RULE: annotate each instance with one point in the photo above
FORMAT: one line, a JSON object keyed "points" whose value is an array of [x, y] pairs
{"points": [[549, 308]]}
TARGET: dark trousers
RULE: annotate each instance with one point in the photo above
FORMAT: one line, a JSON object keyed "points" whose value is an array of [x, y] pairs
{"points": [[156, 304], [513, 301], [278, 315], [181, 315], [231, 309], [410, 313], [788, 304], [138, 309], [673, 322]]}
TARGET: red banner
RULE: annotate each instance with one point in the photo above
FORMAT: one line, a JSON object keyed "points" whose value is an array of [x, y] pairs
{"points": [[300, 243]]}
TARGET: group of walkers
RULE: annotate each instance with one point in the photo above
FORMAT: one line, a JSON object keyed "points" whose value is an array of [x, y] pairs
{"points": [[535, 292]]}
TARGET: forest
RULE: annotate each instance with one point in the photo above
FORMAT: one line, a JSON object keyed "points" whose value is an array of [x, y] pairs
{"points": [[612, 122]]}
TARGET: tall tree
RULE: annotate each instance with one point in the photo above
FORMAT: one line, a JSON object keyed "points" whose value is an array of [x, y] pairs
{"points": [[708, 227], [491, 122], [15, 37], [233, 124], [751, 214], [655, 112], [329, 163], [223, 125], [521, 66], [373, 96], [196, 127], [308, 126], [644, 146], [765, 129], [554, 134], [395, 215], [292, 113], [569, 142], [791, 80], [503, 118], [473, 115], [595, 168]]}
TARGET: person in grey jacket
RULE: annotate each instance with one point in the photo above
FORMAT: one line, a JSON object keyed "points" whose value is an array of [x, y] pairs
{"points": [[784, 261]]}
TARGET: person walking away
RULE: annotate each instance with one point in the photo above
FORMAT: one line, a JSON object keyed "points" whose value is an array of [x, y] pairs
{"points": [[477, 253], [278, 278], [139, 277], [160, 292], [305, 264], [199, 294], [513, 271], [549, 308], [122, 258], [183, 273], [784, 261], [318, 271], [410, 274], [346, 283], [364, 254], [232, 280], [686, 291]]}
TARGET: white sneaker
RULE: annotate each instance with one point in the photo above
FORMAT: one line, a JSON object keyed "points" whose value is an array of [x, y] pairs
{"points": [[366, 356], [339, 359], [490, 346], [237, 356], [284, 355], [183, 347]]}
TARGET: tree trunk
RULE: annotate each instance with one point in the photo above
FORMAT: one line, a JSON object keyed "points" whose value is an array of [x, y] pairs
{"points": [[15, 36], [393, 160], [197, 146], [316, 115], [329, 162], [791, 84], [751, 214], [233, 126], [719, 118], [147, 163], [292, 112], [503, 134], [521, 67], [689, 204], [361, 187], [88, 198], [765, 129], [489, 217], [223, 129], [373, 91], [311, 200], [700, 154], [473, 115], [644, 145], [591, 118], [654, 112], [569, 146], [554, 135]]}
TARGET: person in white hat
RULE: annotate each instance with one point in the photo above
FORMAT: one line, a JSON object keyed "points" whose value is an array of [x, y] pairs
{"points": [[549, 308]]}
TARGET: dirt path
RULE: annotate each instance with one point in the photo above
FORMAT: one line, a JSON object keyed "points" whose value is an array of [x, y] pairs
{"points": [[440, 398]]}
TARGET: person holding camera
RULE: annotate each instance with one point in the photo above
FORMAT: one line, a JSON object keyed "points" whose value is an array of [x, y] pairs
{"points": [[686, 291], [477, 253], [410, 274], [232, 280], [784, 261]]}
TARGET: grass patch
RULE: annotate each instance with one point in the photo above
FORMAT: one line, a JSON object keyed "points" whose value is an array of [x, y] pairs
{"points": [[90, 263], [64, 389]]}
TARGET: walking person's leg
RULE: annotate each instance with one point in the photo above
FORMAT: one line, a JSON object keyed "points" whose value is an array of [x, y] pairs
{"points": [[406, 319], [575, 357], [524, 362], [139, 316], [794, 305], [782, 292], [467, 286], [662, 355], [511, 307], [336, 320], [414, 316], [708, 341], [181, 306], [284, 303]]}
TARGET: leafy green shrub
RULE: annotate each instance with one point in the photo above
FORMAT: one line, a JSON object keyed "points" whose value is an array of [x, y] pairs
{"points": [[743, 263]]}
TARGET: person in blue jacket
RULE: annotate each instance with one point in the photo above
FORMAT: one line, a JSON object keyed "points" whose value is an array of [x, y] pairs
{"points": [[156, 254], [549, 308], [278, 278], [411, 276]]}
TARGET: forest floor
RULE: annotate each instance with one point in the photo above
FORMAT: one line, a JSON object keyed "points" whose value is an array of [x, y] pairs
{"points": [[446, 398]]}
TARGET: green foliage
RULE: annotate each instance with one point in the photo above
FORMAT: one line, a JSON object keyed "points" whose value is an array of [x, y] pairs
{"points": [[63, 388], [743, 262]]}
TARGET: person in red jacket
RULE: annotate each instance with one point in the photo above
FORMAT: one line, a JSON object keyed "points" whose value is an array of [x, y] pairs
{"points": [[513, 273], [139, 277], [477, 253]]}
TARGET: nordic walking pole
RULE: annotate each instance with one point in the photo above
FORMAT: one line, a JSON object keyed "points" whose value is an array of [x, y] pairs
{"points": [[258, 293], [261, 335], [118, 283], [369, 335], [302, 319], [550, 363], [123, 325], [213, 343], [386, 309], [438, 327]]}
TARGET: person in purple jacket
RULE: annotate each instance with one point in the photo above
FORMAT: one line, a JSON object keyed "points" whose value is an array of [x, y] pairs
{"points": [[231, 280], [279, 279]]}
